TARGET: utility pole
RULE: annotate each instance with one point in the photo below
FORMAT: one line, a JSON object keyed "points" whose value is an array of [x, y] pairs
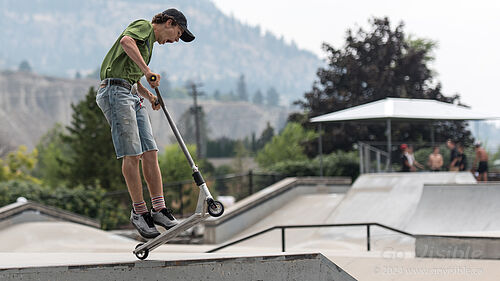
{"points": [[196, 110]]}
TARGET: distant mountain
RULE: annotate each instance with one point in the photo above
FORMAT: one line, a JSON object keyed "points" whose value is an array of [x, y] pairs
{"points": [[63, 37], [31, 104]]}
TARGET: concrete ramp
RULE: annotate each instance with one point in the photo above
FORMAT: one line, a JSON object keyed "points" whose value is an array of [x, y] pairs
{"points": [[61, 237], [209, 267], [290, 201], [457, 209], [390, 198]]}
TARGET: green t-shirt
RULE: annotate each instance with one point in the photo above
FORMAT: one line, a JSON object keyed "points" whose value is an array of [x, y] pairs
{"points": [[117, 64]]}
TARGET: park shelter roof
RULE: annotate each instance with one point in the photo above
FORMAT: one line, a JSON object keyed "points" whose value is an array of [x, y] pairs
{"points": [[399, 108]]}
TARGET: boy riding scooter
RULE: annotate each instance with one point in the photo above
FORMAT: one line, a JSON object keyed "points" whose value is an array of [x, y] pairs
{"points": [[120, 98]]}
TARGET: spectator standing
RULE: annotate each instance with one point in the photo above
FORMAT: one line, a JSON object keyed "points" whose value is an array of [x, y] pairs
{"points": [[482, 158], [435, 161], [453, 155], [412, 161], [461, 158], [405, 165]]}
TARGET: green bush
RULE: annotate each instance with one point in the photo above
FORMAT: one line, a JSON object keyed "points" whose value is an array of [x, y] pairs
{"points": [[87, 201], [287, 146], [339, 163]]}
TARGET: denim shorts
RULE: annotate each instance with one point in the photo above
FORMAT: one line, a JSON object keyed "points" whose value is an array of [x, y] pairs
{"points": [[130, 124]]}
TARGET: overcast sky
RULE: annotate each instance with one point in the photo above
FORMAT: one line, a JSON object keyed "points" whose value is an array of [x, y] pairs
{"points": [[468, 34]]}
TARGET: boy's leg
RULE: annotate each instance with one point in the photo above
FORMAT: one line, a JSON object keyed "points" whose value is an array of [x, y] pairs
{"points": [[139, 217], [130, 170], [161, 215], [485, 176], [120, 107], [152, 174]]}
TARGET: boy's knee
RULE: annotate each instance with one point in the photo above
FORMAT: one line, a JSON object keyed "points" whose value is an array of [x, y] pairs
{"points": [[149, 155], [131, 159]]}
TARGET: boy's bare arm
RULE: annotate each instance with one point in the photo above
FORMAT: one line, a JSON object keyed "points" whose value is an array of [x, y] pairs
{"points": [[148, 95], [130, 47]]}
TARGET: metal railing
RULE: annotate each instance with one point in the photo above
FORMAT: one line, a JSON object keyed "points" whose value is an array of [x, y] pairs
{"points": [[181, 193], [284, 227], [366, 162]]}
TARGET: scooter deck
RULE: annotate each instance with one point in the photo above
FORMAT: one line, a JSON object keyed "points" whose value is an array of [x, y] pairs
{"points": [[171, 233]]}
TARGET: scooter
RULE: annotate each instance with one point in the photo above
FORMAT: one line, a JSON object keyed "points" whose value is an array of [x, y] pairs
{"points": [[205, 204]]}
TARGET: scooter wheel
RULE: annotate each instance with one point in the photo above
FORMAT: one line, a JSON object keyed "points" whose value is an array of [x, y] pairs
{"points": [[142, 255], [215, 208]]}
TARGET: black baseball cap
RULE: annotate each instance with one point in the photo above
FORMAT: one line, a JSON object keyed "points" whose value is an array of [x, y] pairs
{"points": [[181, 20]]}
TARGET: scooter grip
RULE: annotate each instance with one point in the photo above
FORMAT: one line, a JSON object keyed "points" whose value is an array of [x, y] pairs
{"points": [[198, 178]]}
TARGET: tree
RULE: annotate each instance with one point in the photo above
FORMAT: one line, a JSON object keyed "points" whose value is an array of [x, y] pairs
{"points": [[18, 165], [258, 98], [217, 95], [240, 152], [241, 89], [265, 137], [374, 65], [173, 164], [25, 66], [287, 146], [221, 147], [92, 158], [52, 154], [272, 98]]}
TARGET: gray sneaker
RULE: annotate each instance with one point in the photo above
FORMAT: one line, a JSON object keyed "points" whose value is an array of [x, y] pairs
{"points": [[164, 218], [144, 224]]}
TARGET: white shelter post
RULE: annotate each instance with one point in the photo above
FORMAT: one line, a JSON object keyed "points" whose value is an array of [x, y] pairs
{"points": [[320, 150], [389, 141]]}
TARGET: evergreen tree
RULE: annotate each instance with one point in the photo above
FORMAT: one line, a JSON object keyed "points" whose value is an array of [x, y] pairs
{"points": [[272, 98], [217, 95], [221, 147], [253, 144], [92, 157], [265, 137], [258, 98], [52, 154], [25, 66], [241, 89]]}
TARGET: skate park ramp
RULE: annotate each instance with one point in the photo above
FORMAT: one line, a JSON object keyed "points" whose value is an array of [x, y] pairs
{"points": [[210, 267], [61, 237], [391, 198], [71, 251], [290, 201], [386, 198], [458, 209]]}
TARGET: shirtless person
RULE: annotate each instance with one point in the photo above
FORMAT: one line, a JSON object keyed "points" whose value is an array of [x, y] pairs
{"points": [[435, 161], [482, 157]]}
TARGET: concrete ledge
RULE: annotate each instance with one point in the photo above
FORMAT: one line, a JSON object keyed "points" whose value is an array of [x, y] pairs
{"points": [[33, 212], [270, 267], [249, 210], [457, 247]]}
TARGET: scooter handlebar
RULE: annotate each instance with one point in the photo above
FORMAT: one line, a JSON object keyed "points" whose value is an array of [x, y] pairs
{"points": [[152, 79]]}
